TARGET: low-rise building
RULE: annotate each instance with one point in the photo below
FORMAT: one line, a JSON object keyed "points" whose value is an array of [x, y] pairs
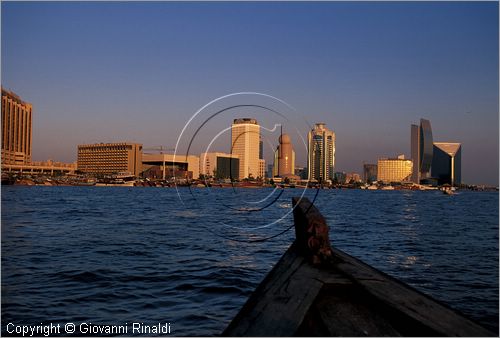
{"points": [[369, 173], [394, 169], [220, 165], [352, 177], [110, 158], [170, 165]]}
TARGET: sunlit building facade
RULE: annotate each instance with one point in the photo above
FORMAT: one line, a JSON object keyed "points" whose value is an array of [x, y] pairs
{"points": [[110, 158], [16, 129], [168, 166], [321, 153], [447, 163], [352, 178], [262, 168], [394, 169], [245, 143], [421, 150], [284, 158], [219, 165]]}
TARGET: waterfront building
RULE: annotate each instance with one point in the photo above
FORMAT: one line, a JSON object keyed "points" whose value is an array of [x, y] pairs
{"points": [[220, 165], [421, 150], [301, 172], [352, 177], [166, 166], [394, 169], [262, 168], [269, 172], [369, 173], [447, 163], [16, 130], [284, 157], [340, 177], [110, 158], [321, 153], [48, 167], [245, 143]]}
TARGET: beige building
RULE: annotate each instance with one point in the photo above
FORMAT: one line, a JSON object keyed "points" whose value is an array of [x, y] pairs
{"points": [[180, 166], [16, 130], [110, 158], [262, 168], [245, 143], [219, 165], [354, 177], [321, 157], [394, 169], [41, 167], [284, 158]]}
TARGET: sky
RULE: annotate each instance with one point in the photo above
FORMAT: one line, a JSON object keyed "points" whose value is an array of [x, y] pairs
{"points": [[133, 71]]}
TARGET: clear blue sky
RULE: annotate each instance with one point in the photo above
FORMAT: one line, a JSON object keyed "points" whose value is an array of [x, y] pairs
{"points": [[105, 72]]}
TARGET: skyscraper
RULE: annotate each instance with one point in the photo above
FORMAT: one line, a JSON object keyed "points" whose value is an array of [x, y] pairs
{"points": [[321, 149], [421, 150], [245, 142], [447, 163], [16, 129], [284, 157]]}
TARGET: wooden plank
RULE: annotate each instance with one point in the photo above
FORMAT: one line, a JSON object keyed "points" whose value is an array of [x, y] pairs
{"points": [[279, 304], [394, 294], [315, 290]]}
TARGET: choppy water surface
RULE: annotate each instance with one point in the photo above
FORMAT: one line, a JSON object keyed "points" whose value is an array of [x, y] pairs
{"points": [[120, 255]]}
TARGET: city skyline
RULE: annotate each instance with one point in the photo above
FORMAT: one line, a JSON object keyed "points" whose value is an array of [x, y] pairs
{"points": [[367, 70]]}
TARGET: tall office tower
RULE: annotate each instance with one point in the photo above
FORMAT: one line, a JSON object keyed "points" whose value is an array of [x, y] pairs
{"points": [[421, 150], [110, 158], [284, 157], [321, 157], [16, 129], [447, 163], [245, 142]]}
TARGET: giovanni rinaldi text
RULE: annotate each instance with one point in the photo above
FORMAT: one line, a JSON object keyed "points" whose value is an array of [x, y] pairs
{"points": [[87, 328]]}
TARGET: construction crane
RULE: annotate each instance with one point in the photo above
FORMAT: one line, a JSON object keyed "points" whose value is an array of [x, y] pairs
{"points": [[160, 149]]}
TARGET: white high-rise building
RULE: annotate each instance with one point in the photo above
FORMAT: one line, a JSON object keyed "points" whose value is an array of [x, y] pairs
{"points": [[321, 157], [245, 143]]}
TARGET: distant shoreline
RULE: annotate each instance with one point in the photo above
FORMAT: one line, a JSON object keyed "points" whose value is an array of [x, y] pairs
{"points": [[216, 186]]}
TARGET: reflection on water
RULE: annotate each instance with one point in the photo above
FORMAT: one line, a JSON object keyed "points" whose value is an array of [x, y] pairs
{"points": [[112, 255]]}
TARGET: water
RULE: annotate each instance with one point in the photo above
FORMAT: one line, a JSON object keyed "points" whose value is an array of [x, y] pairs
{"points": [[120, 255]]}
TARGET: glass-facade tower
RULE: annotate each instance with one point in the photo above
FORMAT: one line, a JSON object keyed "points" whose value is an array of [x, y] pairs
{"points": [[447, 163], [421, 150]]}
